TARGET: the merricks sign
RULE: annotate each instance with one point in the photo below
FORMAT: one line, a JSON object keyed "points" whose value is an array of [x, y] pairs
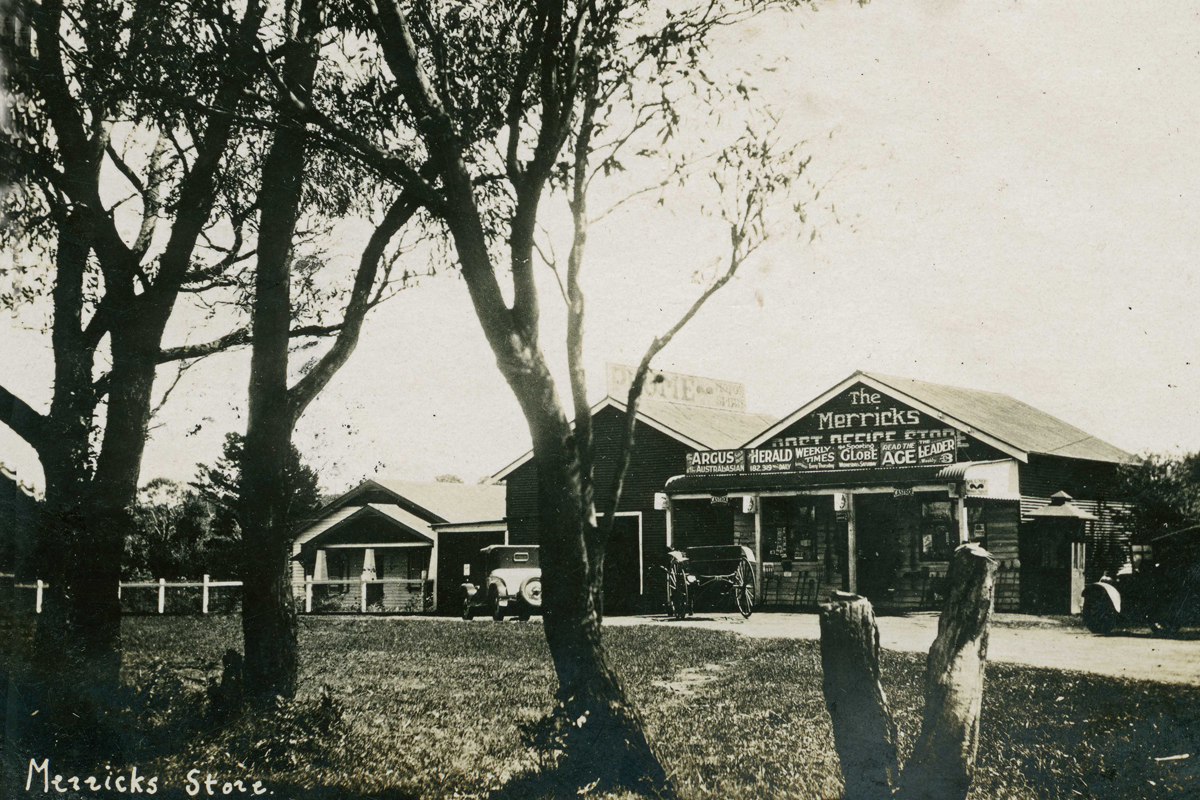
{"points": [[858, 429]]}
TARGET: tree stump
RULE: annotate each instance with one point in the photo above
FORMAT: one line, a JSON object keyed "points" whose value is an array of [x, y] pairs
{"points": [[863, 730], [943, 758]]}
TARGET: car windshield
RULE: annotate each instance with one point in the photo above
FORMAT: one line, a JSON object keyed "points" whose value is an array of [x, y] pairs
{"points": [[514, 557]]}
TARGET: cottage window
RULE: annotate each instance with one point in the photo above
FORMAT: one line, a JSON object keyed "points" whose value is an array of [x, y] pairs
{"points": [[337, 562], [938, 533]]}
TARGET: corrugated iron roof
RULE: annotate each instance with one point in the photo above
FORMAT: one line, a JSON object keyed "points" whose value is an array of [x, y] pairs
{"points": [[696, 426], [453, 502], [1007, 419], [716, 428]]}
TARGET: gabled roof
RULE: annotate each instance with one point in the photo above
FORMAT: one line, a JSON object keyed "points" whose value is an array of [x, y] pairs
{"points": [[433, 501], [696, 426], [1008, 424], [330, 524], [453, 502]]}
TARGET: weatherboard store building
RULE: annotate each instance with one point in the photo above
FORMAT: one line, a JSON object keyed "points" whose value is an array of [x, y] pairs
{"points": [[870, 487]]}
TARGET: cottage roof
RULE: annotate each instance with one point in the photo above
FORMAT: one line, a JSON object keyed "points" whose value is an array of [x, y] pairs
{"points": [[452, 502], [431, 501], [1015, 427], [698, 427]]}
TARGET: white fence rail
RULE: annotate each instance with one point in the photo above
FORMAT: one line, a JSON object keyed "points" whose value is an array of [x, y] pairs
{"points": [[423, 585]]}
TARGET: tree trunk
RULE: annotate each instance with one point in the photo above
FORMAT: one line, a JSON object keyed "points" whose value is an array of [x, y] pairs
{"points": [[604, 739], [863, 730], [269, 625], [77, 661], [943, 759]]}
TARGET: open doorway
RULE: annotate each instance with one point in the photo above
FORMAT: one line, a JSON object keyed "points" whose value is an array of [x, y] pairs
{"points": [[623, 567], [877, 545]]}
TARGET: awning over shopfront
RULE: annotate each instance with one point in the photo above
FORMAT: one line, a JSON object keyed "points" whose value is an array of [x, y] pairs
{"points": [[790, 481], [989, 480]]}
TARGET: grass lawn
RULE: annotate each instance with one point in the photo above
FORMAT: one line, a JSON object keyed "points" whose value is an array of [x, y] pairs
{"points": [[435, 708]]}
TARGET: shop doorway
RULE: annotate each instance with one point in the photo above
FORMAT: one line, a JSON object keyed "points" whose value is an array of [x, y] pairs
{"points": [[877, 550], [622, 567]]}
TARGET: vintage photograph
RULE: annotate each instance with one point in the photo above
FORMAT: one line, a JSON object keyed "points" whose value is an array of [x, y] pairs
{"points": [[731, 399]]}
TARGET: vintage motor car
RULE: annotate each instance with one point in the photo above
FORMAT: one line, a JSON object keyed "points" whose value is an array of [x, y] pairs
{"points": [[505, 579], [1162, 592]]}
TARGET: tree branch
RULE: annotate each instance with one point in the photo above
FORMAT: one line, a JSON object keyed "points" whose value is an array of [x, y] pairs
{"points": [[307, 388], [625, 444], [21, 419], [239, 338]]}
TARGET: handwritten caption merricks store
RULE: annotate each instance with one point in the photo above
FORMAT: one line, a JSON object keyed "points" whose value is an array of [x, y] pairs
{"points": [[810, 458]]}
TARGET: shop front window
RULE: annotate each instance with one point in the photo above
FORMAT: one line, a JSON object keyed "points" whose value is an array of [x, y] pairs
{"points": [[939, 529], [789, 529]]}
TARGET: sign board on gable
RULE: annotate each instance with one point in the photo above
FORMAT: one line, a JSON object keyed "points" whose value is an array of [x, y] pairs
{"points": [[676, 388], [859, 429]]}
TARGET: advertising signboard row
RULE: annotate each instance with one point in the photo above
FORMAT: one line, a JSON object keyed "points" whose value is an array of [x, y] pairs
{"points": [[813, 458]]}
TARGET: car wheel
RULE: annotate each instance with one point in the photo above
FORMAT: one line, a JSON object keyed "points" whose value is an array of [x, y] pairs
{"points": [[497, 609], [1098, 614], [468, 611], [531, 592], [523, 616]]}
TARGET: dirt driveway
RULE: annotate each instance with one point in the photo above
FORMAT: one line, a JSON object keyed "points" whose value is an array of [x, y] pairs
{"points": [[1017, 639]]}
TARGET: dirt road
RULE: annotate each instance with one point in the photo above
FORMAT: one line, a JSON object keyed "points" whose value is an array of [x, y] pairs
{"points": [[1015, 639]]}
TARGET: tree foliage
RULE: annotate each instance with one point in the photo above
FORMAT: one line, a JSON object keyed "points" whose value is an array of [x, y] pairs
{"points": [[221, 486], [184, 531], [1164, 492]]}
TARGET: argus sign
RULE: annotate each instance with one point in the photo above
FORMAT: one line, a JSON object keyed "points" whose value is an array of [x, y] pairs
{"points": [[716, 462]]}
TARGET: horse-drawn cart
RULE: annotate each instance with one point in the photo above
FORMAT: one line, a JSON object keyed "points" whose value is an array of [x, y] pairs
{"points": [[695, 571]]}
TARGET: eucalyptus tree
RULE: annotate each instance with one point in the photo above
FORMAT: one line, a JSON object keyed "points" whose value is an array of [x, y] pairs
{"points": [[479, 113], [123, 199], [141, 150]]}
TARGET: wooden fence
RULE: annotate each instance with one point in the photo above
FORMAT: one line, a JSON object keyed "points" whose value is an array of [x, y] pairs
{"points": [[422, 587]]}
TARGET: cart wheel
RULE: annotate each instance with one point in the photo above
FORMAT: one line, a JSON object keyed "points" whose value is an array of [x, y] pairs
{"points": [[743, 588], [468, 609], [678, 605], [497, 609]]}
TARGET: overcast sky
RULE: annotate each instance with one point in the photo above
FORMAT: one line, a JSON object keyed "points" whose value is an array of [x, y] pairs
{"points": [[1010, 204]]}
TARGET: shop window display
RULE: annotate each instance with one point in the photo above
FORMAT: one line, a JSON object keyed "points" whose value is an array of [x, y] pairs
{"points": [[789, 529], [938, 533]]}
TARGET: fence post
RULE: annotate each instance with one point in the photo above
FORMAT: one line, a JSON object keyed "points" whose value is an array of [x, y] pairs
{"points": [[363, 580], [39, 595], [162, 594], [943, 757], [308, 594], [864, 734], [204, 596]]}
